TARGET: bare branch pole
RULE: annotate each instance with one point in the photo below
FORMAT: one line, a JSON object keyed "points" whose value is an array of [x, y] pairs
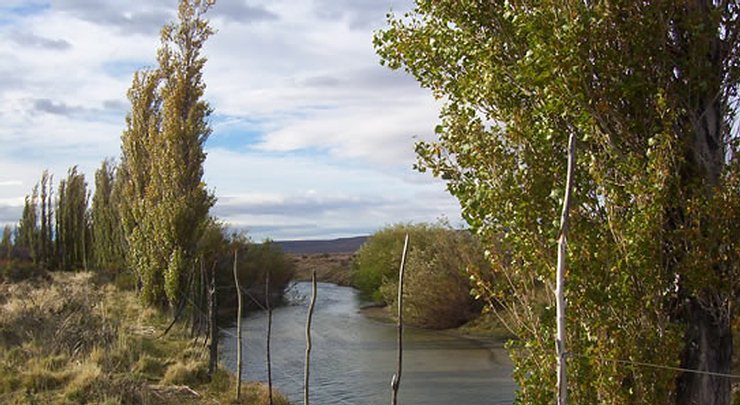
{"points": [[396, 380], [238, 328], [308, 337], [269, 332], [212, 326], [562, 395]]}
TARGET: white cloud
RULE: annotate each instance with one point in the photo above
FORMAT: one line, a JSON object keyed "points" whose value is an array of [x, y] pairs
{"points": [[305, 117]]}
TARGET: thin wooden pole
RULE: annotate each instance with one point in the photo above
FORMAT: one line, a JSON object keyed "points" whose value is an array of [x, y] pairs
{"points": [[269, 333], [212, 326], [396, 380], [308, 337], [562, 383], [238, 328]]}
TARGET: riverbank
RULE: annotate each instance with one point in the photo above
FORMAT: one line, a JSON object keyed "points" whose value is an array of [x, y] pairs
{"points": [[72, 338], [485, 327], [335, 268]]}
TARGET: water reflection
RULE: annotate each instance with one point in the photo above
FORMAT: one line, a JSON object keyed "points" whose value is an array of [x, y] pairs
{"points": [[353, 357]]}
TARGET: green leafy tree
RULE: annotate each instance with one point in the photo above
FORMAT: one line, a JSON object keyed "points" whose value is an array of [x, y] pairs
{"points": [[28, 228], [6, 244], [45, 236], [166, 202], [72, 221], [107, 249], [648, 89]]}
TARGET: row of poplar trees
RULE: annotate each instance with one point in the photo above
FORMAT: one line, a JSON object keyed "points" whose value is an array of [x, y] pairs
{"points": [[149, 211]]}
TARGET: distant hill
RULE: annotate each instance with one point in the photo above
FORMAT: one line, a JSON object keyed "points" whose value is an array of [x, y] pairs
{"points": [[309, 247]]}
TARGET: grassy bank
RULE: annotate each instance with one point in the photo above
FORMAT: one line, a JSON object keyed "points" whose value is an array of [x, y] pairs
{"points": [[67, 339], [486, 326]]}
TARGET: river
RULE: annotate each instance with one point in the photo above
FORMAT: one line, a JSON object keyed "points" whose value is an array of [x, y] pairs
{"points": [[353, 357]]}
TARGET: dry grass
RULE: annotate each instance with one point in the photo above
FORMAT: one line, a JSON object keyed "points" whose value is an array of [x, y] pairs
{"points": [[68, 340], [330, 267]]}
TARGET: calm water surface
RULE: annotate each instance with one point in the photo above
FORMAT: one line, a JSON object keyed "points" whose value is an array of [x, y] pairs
{"points": [[353, 357]]}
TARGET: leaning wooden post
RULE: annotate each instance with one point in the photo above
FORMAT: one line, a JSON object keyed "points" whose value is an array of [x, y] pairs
{"points": [[212, 326], [308, 337], [562, 386], [238, 328], [396, 380], [269, 332]]}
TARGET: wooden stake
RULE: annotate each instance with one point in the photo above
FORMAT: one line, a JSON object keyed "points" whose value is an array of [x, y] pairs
{"points": [[238, 328], [308, 337], [396, 380], [212, 326], [269, 332], [562, 384]]}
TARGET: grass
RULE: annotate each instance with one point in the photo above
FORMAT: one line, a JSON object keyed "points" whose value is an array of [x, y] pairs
{"points": [[329, 267], [67, 339]]}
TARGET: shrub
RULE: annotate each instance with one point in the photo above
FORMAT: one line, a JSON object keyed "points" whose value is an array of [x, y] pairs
{"points": [[18, 270], [437, 287], [379, 257], [254, 259]]}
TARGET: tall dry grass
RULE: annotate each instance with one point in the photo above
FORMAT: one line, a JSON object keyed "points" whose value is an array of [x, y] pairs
{"points": [[68, 339]]}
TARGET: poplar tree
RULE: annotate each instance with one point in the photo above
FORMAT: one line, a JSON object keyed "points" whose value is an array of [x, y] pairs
{"points": [[166, 202], [6, 245], [45, 255], [106, 247], [73, 229], [28, 229], [650, 90]]}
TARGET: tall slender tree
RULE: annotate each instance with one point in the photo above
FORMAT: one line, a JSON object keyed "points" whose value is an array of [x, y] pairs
{"points": [[166, 200], [6, 244], [28, 229], [107, 248], [45, 237], [73, 230]]}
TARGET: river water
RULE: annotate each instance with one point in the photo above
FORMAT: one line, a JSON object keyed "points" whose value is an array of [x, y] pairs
{"points": [[353, 357]]}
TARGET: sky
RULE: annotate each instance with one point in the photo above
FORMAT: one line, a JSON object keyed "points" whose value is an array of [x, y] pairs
{"points": [[312, 138]]}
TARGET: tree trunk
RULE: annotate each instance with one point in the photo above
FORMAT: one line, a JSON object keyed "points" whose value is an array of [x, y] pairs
{"points": [[708, 335], [708, 347]]}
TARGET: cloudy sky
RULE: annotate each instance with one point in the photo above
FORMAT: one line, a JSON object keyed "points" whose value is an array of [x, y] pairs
{"points": [[312, 138]]}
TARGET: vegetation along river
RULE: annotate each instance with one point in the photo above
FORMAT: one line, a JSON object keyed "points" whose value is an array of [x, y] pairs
{"points": [[353, 357]]}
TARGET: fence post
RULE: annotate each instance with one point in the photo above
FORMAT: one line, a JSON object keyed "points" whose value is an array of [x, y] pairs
{"points": [[238, 328], [269, 332], [308, 337], [562, 384], [212, 327], [396, 380]]}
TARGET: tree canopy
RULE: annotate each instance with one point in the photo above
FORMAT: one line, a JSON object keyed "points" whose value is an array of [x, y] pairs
{"points": [[650, 91]]}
